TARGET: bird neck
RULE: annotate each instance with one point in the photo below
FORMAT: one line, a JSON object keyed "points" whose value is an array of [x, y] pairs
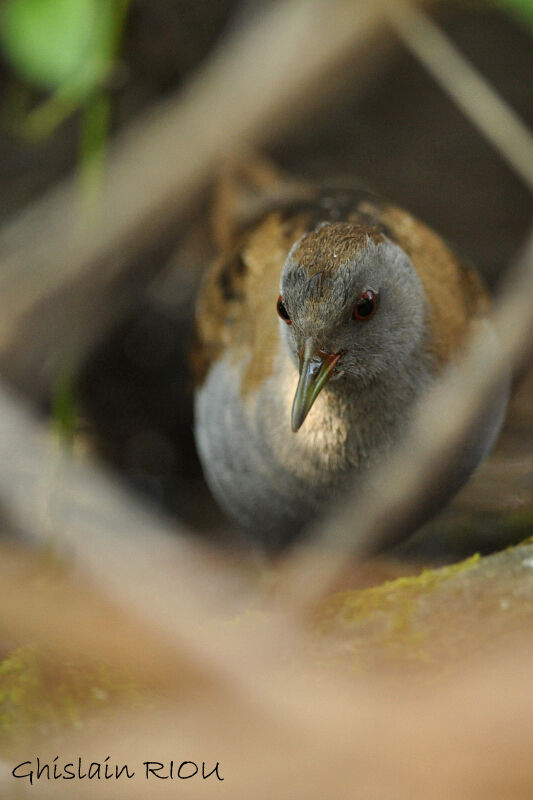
{"points": [[349, 425]]}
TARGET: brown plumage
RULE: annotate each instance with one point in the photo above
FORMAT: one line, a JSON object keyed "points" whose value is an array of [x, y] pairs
{"points": [[243, 283], [321, 249]]}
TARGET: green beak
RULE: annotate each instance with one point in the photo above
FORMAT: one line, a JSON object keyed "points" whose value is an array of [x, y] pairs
{"points": [[316, 368]]}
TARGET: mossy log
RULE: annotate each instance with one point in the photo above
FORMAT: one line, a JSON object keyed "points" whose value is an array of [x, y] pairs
{"points": [[434, 620]]}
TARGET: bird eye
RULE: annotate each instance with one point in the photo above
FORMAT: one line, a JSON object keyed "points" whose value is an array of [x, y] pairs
{"points": [[282, 311], [365, 307]]}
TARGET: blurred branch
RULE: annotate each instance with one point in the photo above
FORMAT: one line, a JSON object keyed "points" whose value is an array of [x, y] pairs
{"points": [[387, 734], [134, 556], [476, 98], [462, 742], [46, 252], [372, 515], [63, 281], [53, 605], [51, 263], [451, 409]]}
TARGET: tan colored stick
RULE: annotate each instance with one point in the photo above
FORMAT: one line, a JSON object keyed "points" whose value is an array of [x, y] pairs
{"points": [[62, 280], [471, 92], [441, 425]]}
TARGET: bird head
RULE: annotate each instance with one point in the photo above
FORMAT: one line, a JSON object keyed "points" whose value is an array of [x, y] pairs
{"points": [[352, 308]]}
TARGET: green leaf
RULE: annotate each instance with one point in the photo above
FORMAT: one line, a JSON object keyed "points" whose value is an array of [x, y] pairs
{"points": [[52, 42], [520, 8], [64, 410]]}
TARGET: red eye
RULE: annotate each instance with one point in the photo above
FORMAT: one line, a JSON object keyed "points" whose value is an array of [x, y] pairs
{"points": [[282, 311], [366, 306]]}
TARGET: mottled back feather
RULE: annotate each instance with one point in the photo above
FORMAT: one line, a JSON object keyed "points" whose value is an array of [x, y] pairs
{"points": [[236, 308]]}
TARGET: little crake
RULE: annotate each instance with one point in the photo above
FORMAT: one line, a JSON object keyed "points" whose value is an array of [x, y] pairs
{"points": [[317, 331]]}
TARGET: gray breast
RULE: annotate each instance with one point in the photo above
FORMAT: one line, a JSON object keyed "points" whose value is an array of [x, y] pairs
{"points": [[274, 482]]}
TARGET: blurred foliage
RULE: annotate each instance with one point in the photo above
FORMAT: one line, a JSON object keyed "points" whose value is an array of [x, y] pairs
{"points": [[521, 8], [51, 42], [67, 48], [64, 409]]}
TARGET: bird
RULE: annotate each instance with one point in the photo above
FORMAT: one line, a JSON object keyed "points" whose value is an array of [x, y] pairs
{"points": [[326, 316]]}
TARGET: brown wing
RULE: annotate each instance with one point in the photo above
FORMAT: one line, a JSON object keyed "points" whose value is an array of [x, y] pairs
{"points": [[454, 289], [236, 310]]}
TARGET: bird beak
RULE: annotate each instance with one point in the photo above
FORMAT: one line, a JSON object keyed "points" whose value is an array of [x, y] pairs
{"points": [[316, 368]]}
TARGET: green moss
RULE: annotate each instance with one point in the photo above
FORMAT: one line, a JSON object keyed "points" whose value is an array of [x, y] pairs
{"points": [[529, 540], [369, 620], [354, 605], [39, 696]]}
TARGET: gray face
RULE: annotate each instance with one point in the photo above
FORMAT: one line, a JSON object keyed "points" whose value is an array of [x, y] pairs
{"points": [[325, 274]]}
